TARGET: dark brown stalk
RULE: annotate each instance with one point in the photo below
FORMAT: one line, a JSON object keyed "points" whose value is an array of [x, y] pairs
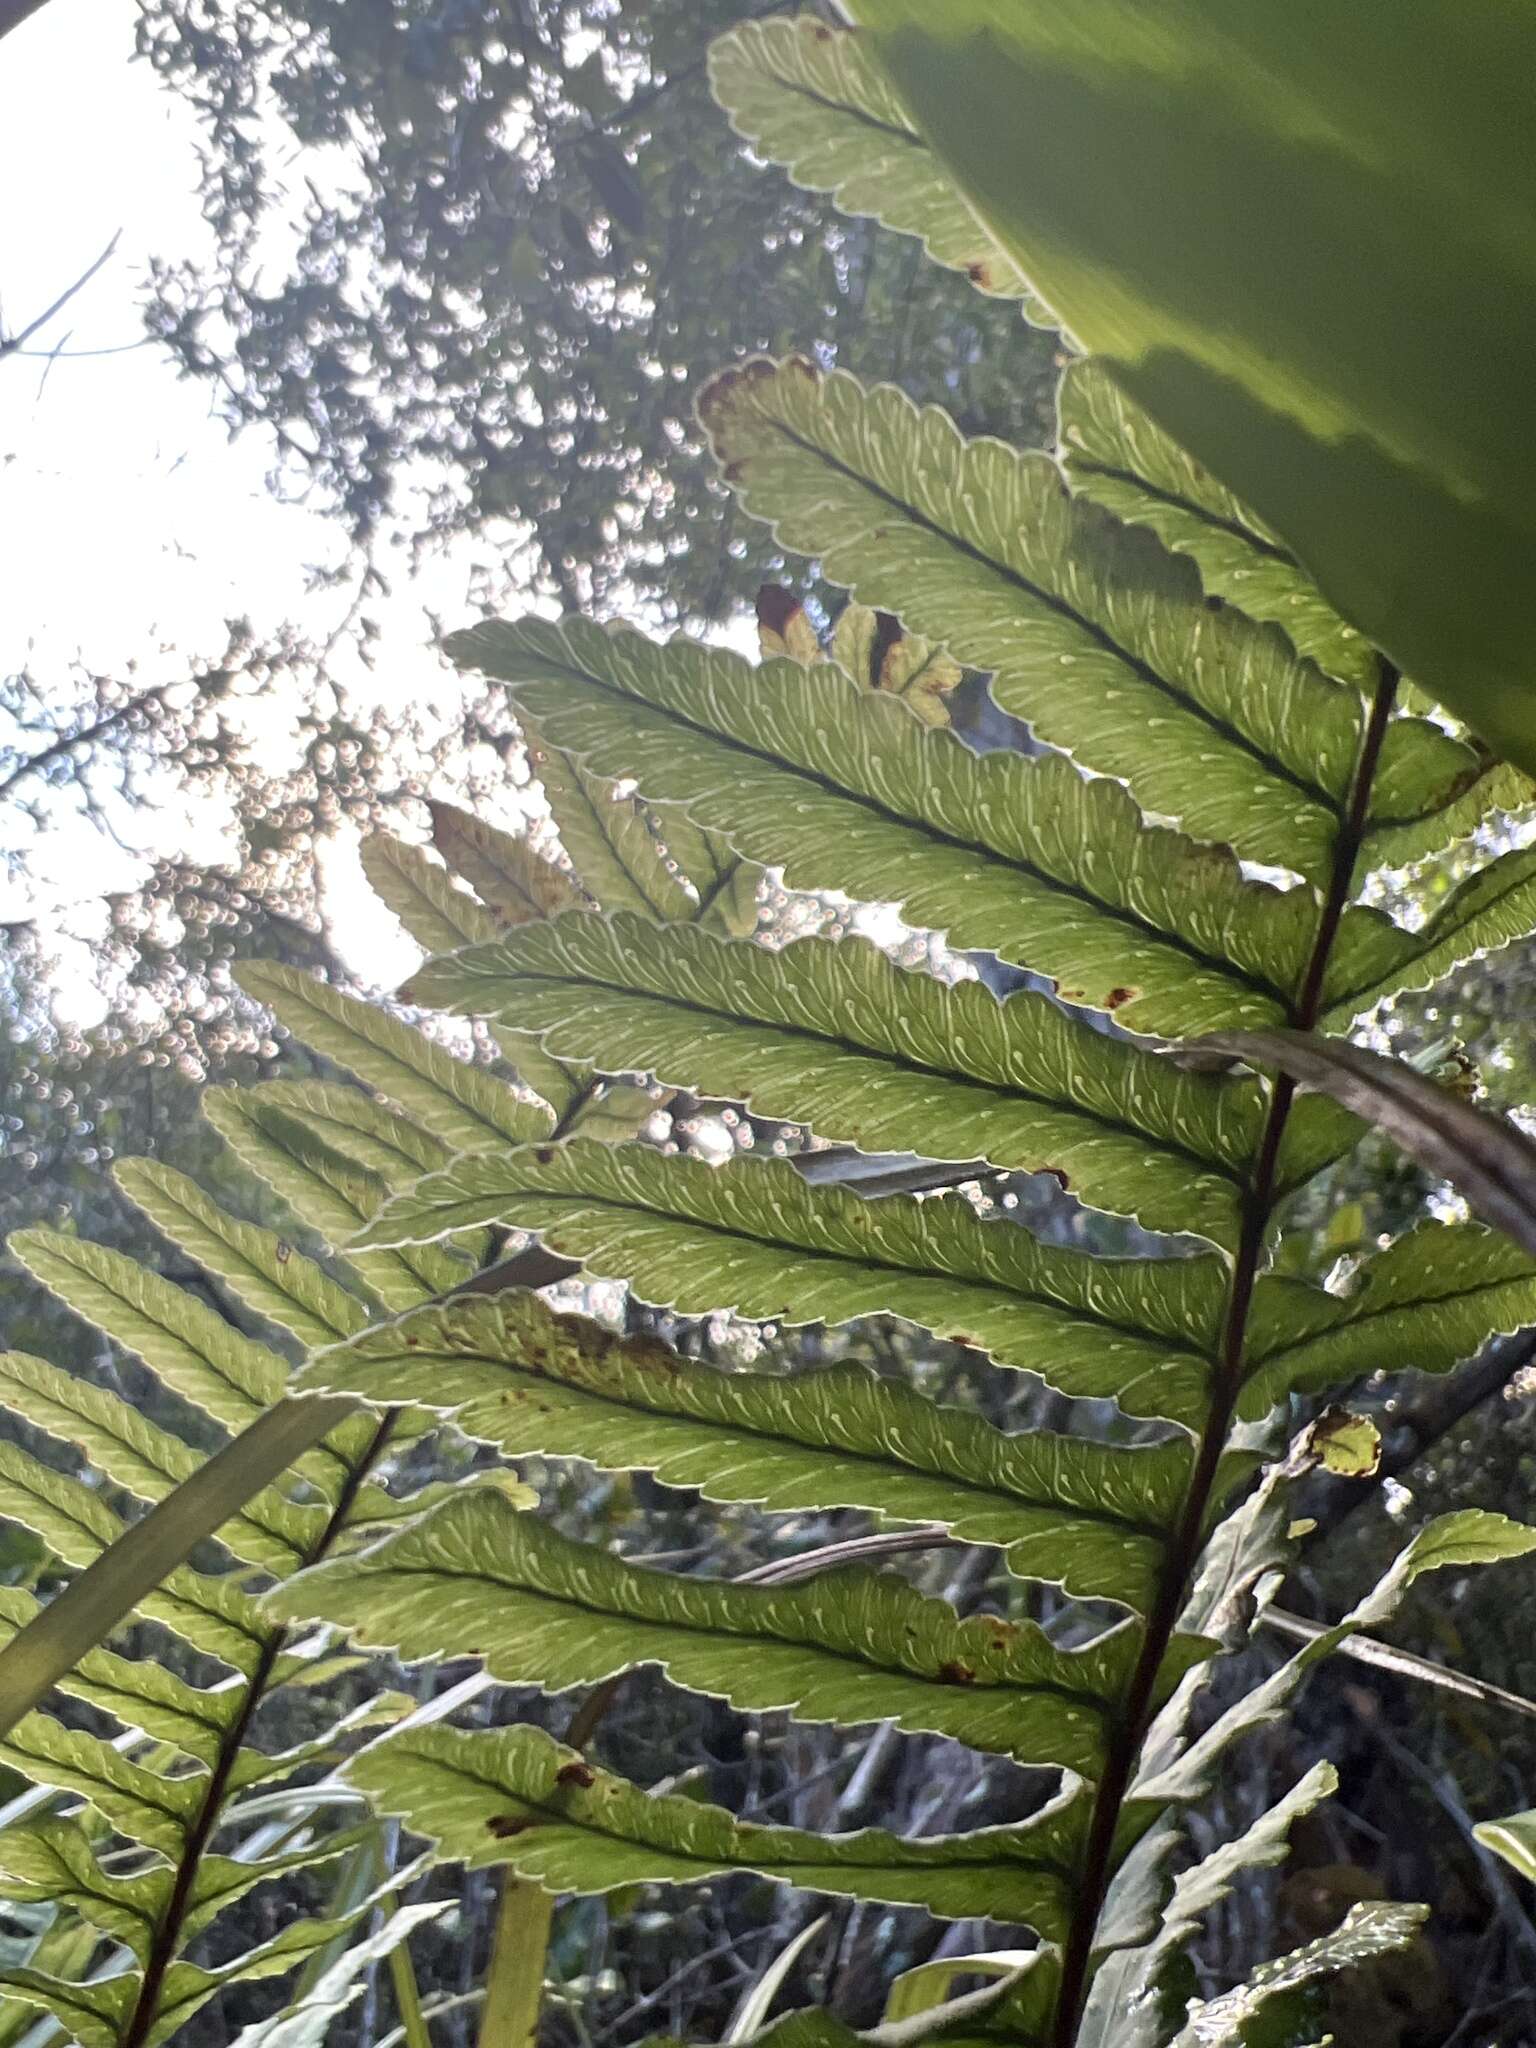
{"points": [[167, 1938], [1188, 1537]]}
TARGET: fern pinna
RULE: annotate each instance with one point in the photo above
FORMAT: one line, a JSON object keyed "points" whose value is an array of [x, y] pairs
{"points": [[1223, 766], [187, 1808]]}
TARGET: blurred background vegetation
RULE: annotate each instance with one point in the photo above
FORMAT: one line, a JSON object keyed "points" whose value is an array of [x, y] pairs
{"points": [[466, 263]]}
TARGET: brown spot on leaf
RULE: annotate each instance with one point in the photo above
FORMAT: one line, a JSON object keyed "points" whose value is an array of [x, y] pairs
{"points": [[979, 274], [505, 1825], [956, 1673], [576, 1773], [1117, 996], [545, 1155]]}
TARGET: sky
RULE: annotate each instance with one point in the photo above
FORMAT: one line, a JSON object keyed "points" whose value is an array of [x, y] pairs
{"points": [[131, 525]]}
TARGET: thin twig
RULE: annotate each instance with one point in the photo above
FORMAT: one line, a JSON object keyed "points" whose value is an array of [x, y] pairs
{"points": [[10, 344]]}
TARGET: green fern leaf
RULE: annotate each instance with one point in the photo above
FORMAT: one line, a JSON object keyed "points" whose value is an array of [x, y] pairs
{"points": [[261, 1269], [194, 1351], [1367, 1931], [1093, 631], [808, 97], [1430, 1300], [134, 1453], [137, 1691], [754, 1237], [840, 1036], [843, 788], [512, 880], [613, 849], [515, 1796], [147, 1806], [1377, 959], [210, 1614], [477, 1577], [463, 1106], [422, 894], [1120, 457], [333, 1194], [1091, 1517]]}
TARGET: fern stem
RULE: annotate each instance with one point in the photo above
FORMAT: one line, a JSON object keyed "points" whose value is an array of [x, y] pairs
{"points": [[167, 1939], [514, 1981], [1188, 1537]]}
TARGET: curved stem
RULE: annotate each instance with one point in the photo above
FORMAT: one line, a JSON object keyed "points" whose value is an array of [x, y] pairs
{"points": [[1188, 1536]]}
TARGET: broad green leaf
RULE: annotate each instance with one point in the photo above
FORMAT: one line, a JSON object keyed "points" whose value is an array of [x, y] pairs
{"points": [[1089, 1516], [510, 878], [515, 1796], [1430, 1300], [836, 1034], [479, 1577], [422, 894], [145, 1805], [260, 1268], [268, 1530], [1116, 454], [1469, 1537], [1239, 209], [1368, 1931], [1129, 2005], [1094, 632], [331, 1192], [807, 96], [463, 1106], [1376, 958], [753, 1236], [612, 847], [137, 1691], [844, 790]]}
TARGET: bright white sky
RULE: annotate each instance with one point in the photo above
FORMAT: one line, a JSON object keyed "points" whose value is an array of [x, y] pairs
{"points": [[131, 526]]}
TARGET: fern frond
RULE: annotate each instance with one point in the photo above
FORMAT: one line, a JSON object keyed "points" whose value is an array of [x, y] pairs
{"points": [[258, 1267], [479, 1577], [464, 1107], [807, 96], [753, 1236], [515, 1796], [422, 894], [843, 788], [1091, 1517], [839, 1035], [514, 881], [1095, 633]]}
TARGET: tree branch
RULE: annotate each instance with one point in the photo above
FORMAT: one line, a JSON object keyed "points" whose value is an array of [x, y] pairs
{"points": [[10, 344]]}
